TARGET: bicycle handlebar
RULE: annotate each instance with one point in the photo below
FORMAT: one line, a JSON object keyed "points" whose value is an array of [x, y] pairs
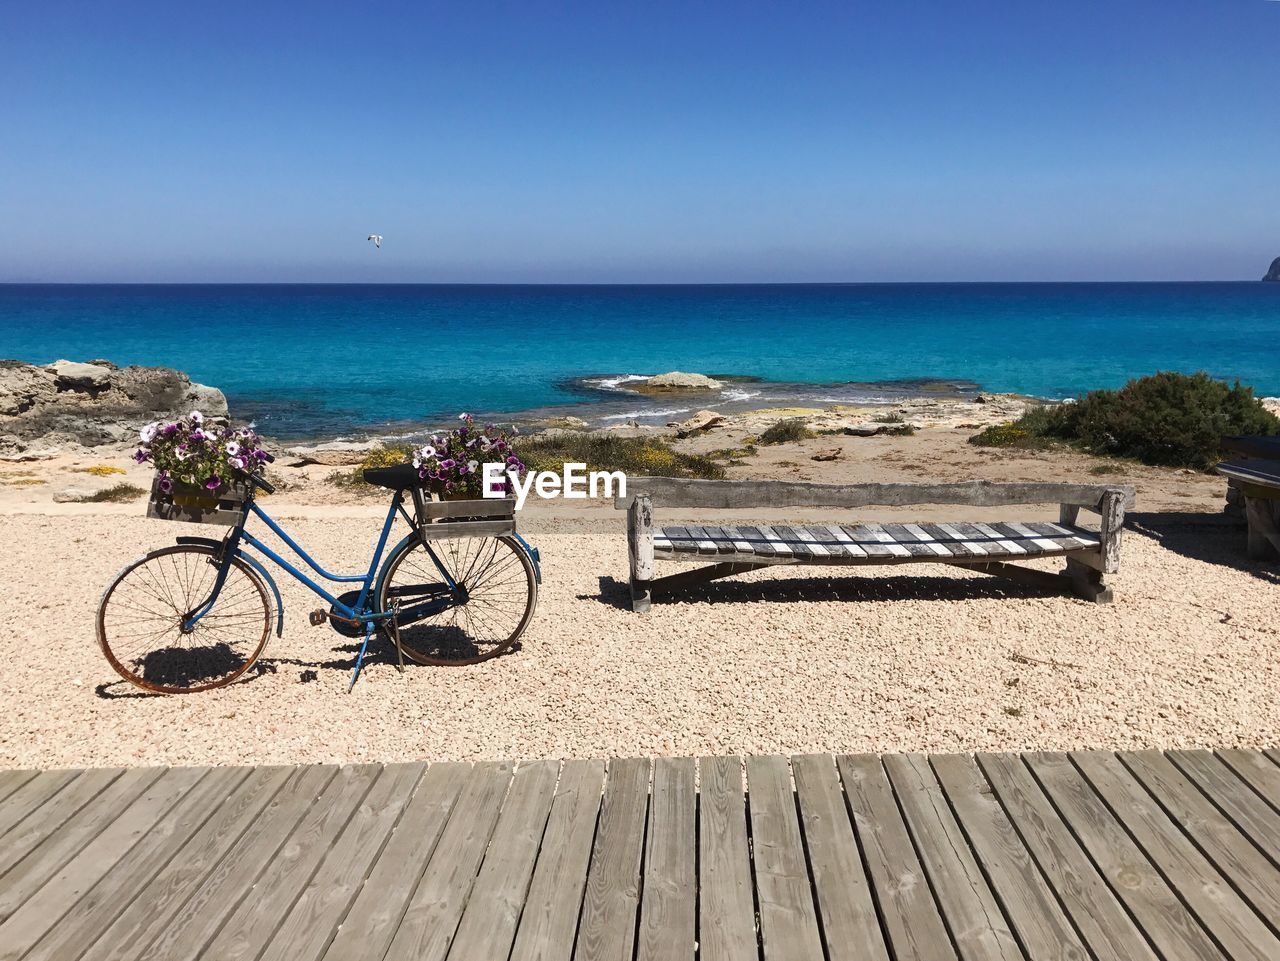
{"points": [[258, 482]]}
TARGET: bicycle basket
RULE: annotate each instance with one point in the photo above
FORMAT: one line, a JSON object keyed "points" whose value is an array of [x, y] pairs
{"points": [[196, 505]]}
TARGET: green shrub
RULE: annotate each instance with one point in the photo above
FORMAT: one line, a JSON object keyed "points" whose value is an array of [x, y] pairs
{"points": [[383, 456], [1167, 419], [119, 494], [632, 455], [786, 431]]}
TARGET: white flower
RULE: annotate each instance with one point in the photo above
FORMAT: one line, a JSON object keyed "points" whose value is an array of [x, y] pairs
{"points": [[197, 417], [472, 465], [148, 433], [427, 452], [463, 416], [233, 448], [181, 454]]}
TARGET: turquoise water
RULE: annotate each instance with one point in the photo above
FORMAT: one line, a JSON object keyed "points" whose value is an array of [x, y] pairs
{"points": [[317, 360]]}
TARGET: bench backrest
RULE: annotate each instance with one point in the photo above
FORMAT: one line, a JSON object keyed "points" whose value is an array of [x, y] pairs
{"points": [[678, 492]]}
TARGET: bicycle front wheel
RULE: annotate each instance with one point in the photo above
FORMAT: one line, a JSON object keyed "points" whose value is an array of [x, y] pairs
{"points": [[141, 617], [479, 616]]}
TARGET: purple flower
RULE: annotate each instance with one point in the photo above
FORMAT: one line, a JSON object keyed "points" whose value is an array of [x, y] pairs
{"points": [[260, 455], [213, 483], [168, 430], [140, 456], [448, 464], [165, 483]]}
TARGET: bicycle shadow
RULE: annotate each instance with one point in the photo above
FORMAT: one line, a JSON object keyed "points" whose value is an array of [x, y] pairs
{"points": [[378, 653]]}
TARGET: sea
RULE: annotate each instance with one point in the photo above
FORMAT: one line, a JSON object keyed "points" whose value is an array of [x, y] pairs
{"points": [[359, 361]]}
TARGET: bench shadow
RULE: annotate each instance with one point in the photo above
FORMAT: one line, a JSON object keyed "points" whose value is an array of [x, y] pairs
{"points": [[1212, 538], [617, 593]]}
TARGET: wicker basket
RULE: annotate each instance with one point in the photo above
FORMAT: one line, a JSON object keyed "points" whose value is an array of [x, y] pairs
{"points": [[196, 505]]}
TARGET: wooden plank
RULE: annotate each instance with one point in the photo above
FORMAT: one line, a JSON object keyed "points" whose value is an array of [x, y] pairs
{"points": [[1250, 872], [550, 918], [908, 911], [722, 538], [641, 547], [219, 890], [846, 542], [796, 540], [306, 931], [1233, 924], [608, 927], [776, 541], [679, 539], [1256, 770], [114, 833], [97, 907], [13, 779], [488, 926], [1041, 926], [702, 540], [962, 541], [431, 918], [909, 540], [738, 537], [667, 918], [788, 920], [251, 807], [371, 922], [1256, 819], [759, 544], [59, 847], [48, 817], [850, 927], [1175, 933], [726, 910], [238, 918], [1092, 905], [977, 924], [684, 492]]}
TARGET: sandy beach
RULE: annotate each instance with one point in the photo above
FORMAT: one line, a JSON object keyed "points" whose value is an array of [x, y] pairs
{"points": [[922, 659]]}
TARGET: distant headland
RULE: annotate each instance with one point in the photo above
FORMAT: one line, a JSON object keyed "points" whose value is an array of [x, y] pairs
{"points": [[1274, 272]]}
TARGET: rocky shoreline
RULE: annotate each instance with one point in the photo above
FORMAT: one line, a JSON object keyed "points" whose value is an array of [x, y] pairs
{"points": [[68, 406]]}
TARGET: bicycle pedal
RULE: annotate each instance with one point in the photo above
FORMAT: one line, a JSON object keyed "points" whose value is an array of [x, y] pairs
{"points": [[318, 617]]}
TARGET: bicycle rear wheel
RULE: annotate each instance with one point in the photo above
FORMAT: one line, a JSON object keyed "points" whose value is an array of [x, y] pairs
{"points": [[495, 594], [141, 616]]}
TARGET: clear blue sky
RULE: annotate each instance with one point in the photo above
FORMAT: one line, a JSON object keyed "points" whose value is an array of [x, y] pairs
{"points": [[646, 142]]}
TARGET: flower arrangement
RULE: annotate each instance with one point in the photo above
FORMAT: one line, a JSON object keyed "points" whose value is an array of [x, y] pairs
{"points": [[187, 453], [452, 464]]}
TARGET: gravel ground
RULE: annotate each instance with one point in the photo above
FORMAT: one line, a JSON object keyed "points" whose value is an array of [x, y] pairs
{"points": [[907, 659]]}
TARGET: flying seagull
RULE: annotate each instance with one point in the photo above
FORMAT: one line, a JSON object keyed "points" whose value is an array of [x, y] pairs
{"points": [[377, 240]]}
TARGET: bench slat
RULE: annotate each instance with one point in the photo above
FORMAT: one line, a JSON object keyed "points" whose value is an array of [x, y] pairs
{"points": [[864, 543]]}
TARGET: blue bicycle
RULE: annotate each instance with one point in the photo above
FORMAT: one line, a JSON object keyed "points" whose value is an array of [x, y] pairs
{"points": [[460, 588]]}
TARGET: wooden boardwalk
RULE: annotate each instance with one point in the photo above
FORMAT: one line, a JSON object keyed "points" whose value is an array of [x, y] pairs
{"points": [[1132, 857]]}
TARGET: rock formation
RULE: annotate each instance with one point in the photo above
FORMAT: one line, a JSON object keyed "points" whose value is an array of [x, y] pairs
{"points": [[1274, 272], [676, 381], [93, 404]]}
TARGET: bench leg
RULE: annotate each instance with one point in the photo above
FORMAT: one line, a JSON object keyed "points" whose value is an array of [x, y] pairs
{"points": [[1263, 516], [1087, 582], [641, 596]]}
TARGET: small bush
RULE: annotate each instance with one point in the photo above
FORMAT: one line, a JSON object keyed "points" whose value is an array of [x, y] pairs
{"points": [[901, 430], [119, 494], [893, 417], [100, 470], [786, 431], [631, 455], [1169, 420]]}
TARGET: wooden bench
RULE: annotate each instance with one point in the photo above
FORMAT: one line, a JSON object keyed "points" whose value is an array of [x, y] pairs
{"points": [[989, 548], [1258, 482]]}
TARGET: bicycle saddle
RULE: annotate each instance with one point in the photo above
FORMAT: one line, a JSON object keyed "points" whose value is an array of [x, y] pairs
{"points": [[399, 477]]}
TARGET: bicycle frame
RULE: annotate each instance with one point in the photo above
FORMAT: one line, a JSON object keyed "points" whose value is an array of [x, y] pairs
{"points": [[359, 614]]}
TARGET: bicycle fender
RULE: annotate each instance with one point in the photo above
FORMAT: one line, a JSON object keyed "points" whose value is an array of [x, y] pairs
{"points": [[257, 565]]}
